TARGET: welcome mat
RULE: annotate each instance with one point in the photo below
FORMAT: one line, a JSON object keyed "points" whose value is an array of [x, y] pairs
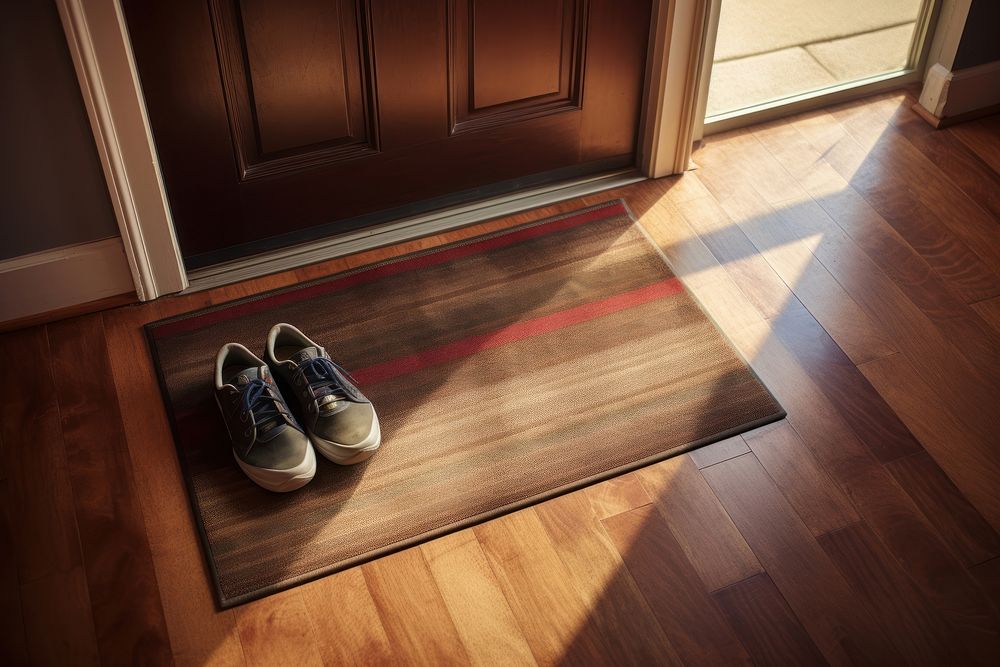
{"points": [[505, 370]]}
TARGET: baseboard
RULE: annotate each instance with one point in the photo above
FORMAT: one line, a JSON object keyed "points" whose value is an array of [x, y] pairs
{"points": [[949, 97], [941, 123], [62, 278]]}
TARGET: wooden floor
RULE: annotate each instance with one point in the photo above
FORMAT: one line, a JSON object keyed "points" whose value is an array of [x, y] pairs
{"points": [[852, 255]]}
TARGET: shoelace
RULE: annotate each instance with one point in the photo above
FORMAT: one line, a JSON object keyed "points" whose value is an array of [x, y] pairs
{"points": [[325, 377], [260, 404]]}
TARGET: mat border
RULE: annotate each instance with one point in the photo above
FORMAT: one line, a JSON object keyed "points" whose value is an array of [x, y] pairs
{"points": [[394, 260], [224, 603]]}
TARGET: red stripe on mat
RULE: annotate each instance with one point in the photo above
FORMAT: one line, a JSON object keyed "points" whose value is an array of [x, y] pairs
{"points": [[375, 273], [518, 331]]}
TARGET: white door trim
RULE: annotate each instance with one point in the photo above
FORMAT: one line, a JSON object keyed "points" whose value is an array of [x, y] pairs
{"points": [[102, 56], [678, 47]]}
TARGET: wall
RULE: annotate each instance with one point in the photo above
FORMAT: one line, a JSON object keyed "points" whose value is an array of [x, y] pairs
{"points": [[962, 79], [52, 188], [980, 43]]}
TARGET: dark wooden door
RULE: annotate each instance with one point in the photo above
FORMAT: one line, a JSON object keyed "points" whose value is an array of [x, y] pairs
{"points": [[276, 122]]}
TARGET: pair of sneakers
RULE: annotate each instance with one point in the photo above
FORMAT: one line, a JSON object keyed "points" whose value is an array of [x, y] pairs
{"points": [[273, 446]]}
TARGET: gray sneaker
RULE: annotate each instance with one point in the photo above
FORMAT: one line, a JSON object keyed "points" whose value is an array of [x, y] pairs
{"points": [[267, 442], [340, 421]]}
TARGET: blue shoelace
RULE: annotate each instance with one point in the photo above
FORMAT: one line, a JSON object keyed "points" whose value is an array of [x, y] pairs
{"points": [[325, 377], [259, 403]]}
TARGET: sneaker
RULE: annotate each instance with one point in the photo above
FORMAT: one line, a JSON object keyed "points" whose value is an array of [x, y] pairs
{"points": [[340, 421], [267, 442]]}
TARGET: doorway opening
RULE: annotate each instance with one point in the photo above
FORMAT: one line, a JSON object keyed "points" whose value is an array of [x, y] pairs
{"points": [[773, 57]]}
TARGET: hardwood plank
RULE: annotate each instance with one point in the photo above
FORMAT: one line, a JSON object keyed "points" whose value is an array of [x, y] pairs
{"points": [[925, 179], [872, 420], [989, 310], [878, 499], [920, 635], [13, 649], [40, 491], [765, 624], [549, 609], [876, 173], [820, 503], [938, 357], [953, 160], [719, 451], [942, 304], [692, 620], [685, 187], [968, 458], [789, 252], [124, 596], [399, 585], [951, 257], [709, 155], [768, 178], [838, 622], [56, 628], [982, 136], [198, 631], [694, 263], [619, 619], [698, 522], [734, 251], [882, 301], [475, 602], [870, 492], [888, 194], [966, 169], [347, 625], [915, 300], [55, 604], [988, 576], [939, 317], [917, 266], [617, 495], [956, 520], [276, 630]]}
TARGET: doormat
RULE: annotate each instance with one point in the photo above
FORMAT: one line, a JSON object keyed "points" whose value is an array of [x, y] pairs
{"points": [[505, 370]]}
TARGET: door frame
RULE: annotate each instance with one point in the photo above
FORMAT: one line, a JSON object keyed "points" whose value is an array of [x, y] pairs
{"points": [[680, 40], [105, 66], [102, 56]]}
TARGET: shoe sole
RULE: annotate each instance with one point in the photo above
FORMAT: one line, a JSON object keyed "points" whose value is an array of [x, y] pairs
{"points": [[348, 455], [281, 481]]}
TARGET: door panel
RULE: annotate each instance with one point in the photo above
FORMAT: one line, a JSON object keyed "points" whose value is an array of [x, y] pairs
{"points": [[297, 86], [498, 79], [279, 122], [610, 96], [411, 113], [505, 70]]}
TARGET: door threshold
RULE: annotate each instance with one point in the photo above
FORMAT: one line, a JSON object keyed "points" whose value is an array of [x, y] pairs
{"points": [[809, 101], [403, 230]]}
